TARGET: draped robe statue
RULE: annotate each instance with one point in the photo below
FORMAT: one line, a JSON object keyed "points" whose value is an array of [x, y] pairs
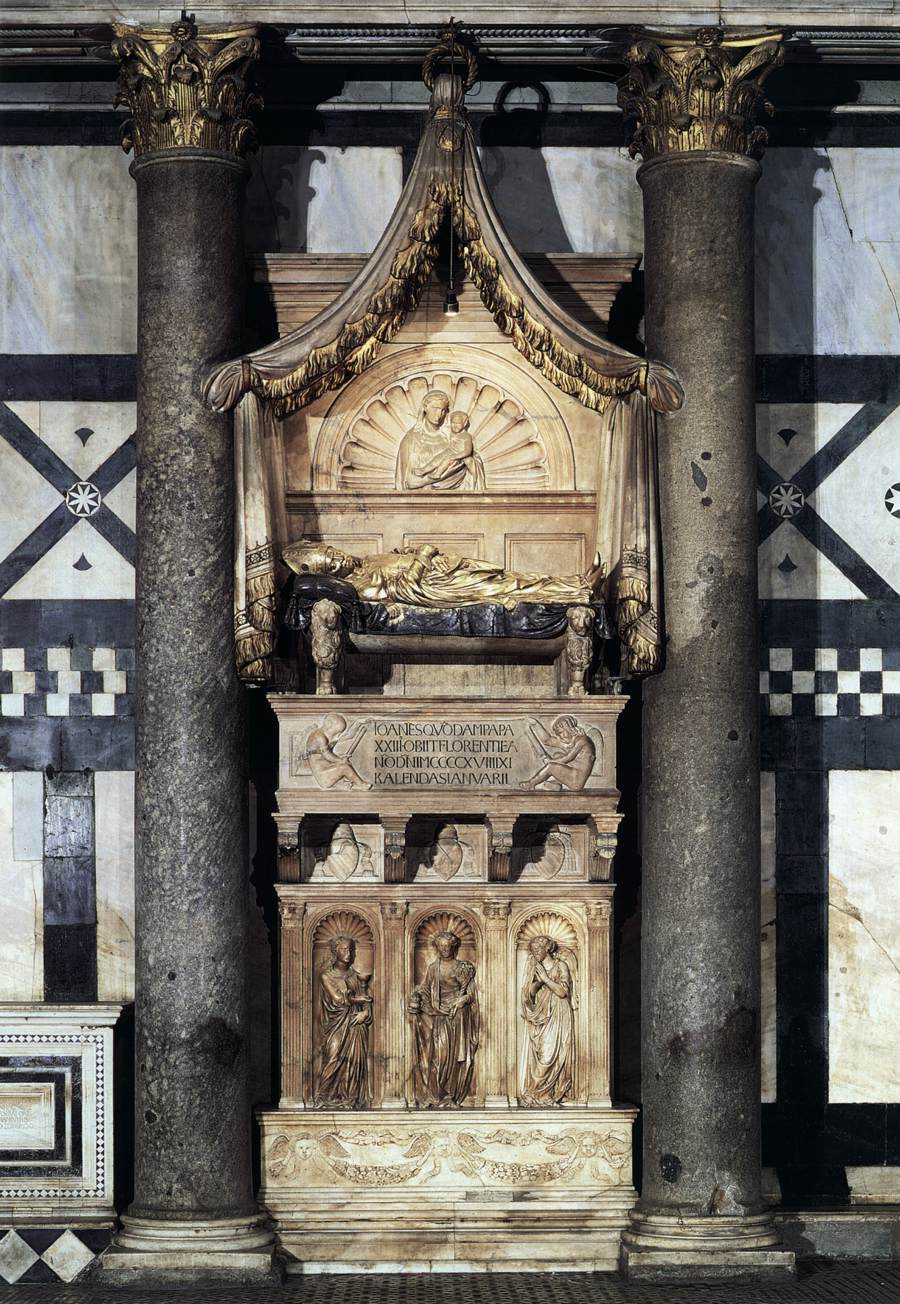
{"points": [[547, 1008], [444, 1007], [346, 1015]]}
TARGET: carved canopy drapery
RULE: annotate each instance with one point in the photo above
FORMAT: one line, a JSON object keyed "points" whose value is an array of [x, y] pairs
{"points": [[446, 181]]}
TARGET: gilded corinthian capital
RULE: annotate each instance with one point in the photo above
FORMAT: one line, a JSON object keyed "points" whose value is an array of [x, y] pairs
{"points": [[186, 87], [698, 92]]}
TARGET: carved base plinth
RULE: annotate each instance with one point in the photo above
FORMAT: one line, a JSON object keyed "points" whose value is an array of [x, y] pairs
{"points": [[668, 1247], [402, 1190]]}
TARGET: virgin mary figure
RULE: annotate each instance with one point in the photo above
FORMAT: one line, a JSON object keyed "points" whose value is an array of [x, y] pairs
{"points": [[433, 455], [549, 1057]]}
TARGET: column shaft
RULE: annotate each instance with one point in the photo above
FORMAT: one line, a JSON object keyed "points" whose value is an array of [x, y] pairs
{"points": [[193, 1203], [700, 966], [599, 968], [701, 1212], [190, 874]]}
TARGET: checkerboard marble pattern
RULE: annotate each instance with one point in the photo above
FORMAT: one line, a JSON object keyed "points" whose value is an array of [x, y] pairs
{"points": [[831, 681], [42, 1255], [66, 681]]}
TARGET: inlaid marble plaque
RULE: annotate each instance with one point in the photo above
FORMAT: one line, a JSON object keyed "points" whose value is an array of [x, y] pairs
{"points": [[26, 1116]]}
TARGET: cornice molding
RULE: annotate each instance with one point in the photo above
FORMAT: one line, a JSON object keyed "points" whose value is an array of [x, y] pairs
{"points": [[355, 43]]}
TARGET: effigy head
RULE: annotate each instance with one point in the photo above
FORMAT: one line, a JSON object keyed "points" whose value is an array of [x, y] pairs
{"points": [[319, 559]]}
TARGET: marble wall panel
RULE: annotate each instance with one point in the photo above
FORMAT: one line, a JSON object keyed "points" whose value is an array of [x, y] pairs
{"points": [[325, 199], [21, 887], [46, 449], [555, 199], [337, 200], [114, 824], [828, 234], [863, 936], [69, 221]]}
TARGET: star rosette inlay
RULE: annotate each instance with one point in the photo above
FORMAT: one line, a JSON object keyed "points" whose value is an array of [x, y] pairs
{"points": [[892, 500], [786, 500], [83, 499]]}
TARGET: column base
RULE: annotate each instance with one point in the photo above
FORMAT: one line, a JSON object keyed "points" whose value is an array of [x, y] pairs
{"points": [[240, 1251], [671, 1247]]}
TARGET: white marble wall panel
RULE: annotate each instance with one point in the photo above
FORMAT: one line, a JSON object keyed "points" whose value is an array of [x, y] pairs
{"points": [[828, 235], [582, 199], [852, 499], [114, 834], [767, 935], [69, 229], [21, 886], [83, 434], [322, 199], [863, 936]]}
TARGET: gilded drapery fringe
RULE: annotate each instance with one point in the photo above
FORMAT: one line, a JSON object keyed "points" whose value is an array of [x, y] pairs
{"points": [[357, 345], [355, 348], [638, 625]]}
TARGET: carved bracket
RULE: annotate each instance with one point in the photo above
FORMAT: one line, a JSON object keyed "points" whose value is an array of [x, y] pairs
{"points": [[289, 855], [604, 851], [579, 649], [394, 848], [501, 850]]}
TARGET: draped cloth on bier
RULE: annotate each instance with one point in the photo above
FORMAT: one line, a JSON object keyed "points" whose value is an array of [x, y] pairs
{"points": [[260, 532], [628, 529]]}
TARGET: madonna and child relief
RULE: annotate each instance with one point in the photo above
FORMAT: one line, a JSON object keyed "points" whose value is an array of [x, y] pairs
{"points": [[438, 451]]}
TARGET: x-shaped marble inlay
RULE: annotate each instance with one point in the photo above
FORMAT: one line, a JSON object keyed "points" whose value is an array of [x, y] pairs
{"points": [[788, 500], [82, 499]]}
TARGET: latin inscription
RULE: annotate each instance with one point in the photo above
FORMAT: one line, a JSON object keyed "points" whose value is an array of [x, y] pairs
{"points": [[444, 754], [554, 754]]}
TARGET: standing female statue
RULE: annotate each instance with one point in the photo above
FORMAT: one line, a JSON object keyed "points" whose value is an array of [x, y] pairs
{"points": [[435, 456], [345, 1007], [549, 1059], [444, 1007]]}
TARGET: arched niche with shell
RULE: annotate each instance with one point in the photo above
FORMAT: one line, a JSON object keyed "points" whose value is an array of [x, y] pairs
{"points": [[444, 1008], [555, 1037], [363, 933], [515, 425]]}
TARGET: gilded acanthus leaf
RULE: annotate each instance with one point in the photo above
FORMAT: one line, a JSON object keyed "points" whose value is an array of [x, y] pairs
{"points": [[186, 88], [698, 93]]}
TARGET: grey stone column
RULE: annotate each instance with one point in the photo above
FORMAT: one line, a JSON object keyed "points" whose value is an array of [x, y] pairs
{"points": [[701, 1214], [193, 1210]]}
